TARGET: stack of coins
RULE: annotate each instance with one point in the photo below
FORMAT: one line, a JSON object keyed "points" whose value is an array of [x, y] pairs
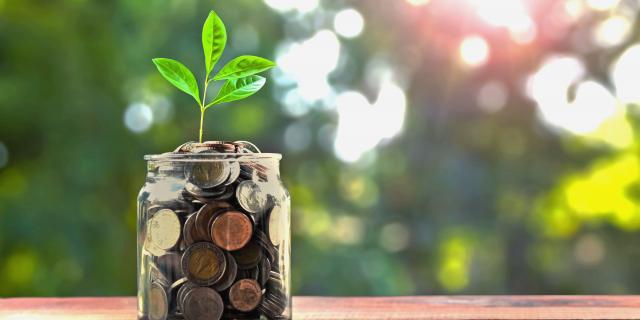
{"points": [[215, 251]]}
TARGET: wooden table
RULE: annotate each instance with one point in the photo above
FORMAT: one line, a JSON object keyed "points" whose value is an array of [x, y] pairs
{"points": [[427, 307]]}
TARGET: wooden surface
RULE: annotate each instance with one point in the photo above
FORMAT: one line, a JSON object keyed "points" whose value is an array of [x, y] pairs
{"points": [[433, 307]]}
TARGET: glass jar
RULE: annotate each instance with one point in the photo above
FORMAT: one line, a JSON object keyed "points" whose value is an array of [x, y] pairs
{"points": [[213, 238]]}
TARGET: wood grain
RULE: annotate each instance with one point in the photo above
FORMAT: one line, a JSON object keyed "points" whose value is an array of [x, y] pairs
{"points": [[431, 307]]}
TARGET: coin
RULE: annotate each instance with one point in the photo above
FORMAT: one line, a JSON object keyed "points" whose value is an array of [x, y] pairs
{"points": [[246, 147], [231, 230], [204, 215], [204, 195], [189, 230], [250, 197], [229, 276], [170, 265], [203, 263], [209, 174], [245, 295], [277, 226], [265, 268], [202, 303], [182, 291], [164, 229], [269, 249], [158, 302], [234, 172], [249, 256]]}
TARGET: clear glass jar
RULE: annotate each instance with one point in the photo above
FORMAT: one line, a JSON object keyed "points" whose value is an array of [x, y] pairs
{"points": [[213, 238]]}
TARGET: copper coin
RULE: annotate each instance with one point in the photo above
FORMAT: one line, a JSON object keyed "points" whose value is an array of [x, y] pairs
{"points": [[202, 303], [158, 302], [249, 256], [203, 217], [245, 295], [203, 263], [231, 230]]}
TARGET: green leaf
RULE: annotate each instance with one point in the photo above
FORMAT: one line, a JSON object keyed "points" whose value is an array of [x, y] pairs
{"points": [[178, 75], [214, 39], [236, 89], [243, 66]]}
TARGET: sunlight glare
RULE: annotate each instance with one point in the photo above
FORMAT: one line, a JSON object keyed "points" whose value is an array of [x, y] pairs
{"points": [[309, 63], [626, 76], [348, 23], [602, 5], [302, 6], [549, 87], [474, 51], [362, 126], [612, 32]]}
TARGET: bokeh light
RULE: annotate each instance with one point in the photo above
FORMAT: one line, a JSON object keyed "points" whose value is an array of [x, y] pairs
{"points": [[348, 23], [602, 5], [492, 96], [138, 117], [625, 75], [363, 125], [474, 51], [612, 31], [310, 78]]}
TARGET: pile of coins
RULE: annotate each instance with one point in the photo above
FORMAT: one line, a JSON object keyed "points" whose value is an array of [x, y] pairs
{"points": [[213, 252]]}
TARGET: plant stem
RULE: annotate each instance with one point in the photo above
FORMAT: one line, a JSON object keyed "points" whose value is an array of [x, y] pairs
{"points": [[204, 101], [201, 121]]}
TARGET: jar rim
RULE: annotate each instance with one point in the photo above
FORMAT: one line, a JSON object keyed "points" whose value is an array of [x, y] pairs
{"points": [[210, 156]]}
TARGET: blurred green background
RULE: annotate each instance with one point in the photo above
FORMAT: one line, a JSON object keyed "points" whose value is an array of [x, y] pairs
{"points": [[430, 147]]}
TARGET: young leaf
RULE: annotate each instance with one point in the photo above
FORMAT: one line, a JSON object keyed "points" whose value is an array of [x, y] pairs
{"points": [[236, 89], [178, 75], [243, 66], [214, 39]]}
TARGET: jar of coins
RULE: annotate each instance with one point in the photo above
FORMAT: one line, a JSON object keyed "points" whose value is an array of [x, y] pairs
{"points": [[213, 235]]}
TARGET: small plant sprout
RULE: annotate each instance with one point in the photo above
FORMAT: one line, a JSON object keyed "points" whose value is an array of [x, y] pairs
{"points": [[239, 74]]}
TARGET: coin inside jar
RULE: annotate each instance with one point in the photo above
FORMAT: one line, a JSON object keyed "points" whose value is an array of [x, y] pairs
{"points": [[245, 295], [277, 225], [250, 197], [209, 174], [158, 302], [203, 217], [163, 229], [203, 263], [231, 230], [203, 303], [249, 256]]}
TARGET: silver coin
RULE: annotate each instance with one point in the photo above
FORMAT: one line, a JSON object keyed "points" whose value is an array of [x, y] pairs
{"points": [[163, 229], [278, 225], [203, 303], [250, 197], [158, 302], [246, 147], [208, 174], [234, 172]]}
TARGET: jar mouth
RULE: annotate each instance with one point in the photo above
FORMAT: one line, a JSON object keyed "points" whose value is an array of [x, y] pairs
{"points": [[211, 156]]}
